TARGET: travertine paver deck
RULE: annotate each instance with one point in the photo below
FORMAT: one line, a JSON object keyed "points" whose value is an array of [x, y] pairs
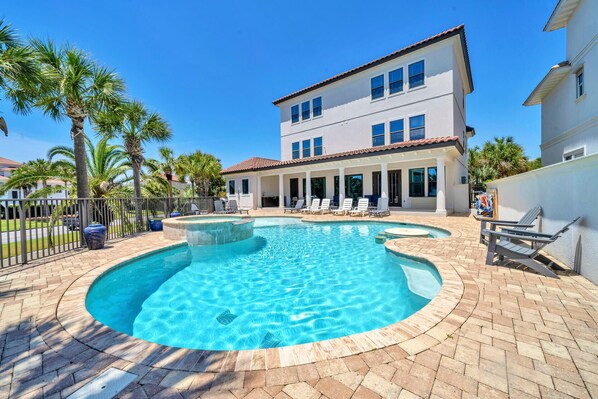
{"points": [[497, 332]]}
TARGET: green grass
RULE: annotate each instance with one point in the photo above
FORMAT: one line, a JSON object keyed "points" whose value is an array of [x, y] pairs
{"points": [[39, 244], [29, 224]]}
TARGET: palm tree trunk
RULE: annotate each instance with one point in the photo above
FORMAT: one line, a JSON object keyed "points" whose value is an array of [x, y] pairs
{"points": [[137, 189], [80, 157]]}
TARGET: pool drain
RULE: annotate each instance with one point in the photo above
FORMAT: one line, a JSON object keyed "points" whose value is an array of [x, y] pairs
{"points": [[226, 318]]}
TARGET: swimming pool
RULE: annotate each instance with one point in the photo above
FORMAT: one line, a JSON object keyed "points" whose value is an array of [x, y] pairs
{"points": [[291, 283]]}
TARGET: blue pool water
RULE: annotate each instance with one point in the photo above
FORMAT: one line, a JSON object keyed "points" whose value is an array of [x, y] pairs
{"points": [[291, 283]]}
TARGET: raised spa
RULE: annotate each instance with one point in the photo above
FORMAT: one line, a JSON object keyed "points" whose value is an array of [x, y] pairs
{"points": [[208, 230]]}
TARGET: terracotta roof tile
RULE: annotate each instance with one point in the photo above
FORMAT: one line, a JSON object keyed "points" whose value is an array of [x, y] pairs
{"points": [[256, 163], [10, 162], [457, 30], [251, 164]]}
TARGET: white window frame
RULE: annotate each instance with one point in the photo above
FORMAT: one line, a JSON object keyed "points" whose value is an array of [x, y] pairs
{"points": [[415, 61], [401, 66], [578, 96], [407, 129], [299, 114], [574, 153], [321, 107], [384, 88], [385, 124]]}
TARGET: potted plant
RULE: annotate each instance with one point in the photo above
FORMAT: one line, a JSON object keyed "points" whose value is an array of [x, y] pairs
{"points": [[95, 235]]}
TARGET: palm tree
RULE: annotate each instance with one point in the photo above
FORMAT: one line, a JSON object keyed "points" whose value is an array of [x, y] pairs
{"points": [[136, 126], [106, 165], [19, 72], [76, 88], [164, 167], [504, 157], [200, 169]]}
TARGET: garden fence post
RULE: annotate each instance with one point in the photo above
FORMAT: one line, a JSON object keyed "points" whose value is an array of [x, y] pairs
{"points": [[23, 231]]}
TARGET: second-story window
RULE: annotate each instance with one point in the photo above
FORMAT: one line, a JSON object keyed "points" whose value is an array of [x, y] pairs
{"points": [[317, 146], [417, 127], [295, 113], [397, 129], [416, 74], [579, 83], [378, 135], [317, 106], [377, 87], [395, 81], [305, 110], [296, 153], [306, 149]]}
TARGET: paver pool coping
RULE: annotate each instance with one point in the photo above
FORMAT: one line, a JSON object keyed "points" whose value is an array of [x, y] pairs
{"points": [[424, 329]]}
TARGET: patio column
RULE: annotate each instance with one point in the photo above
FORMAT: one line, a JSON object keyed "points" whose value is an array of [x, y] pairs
{"points": [[341, 186], [308, 188], [259, 191], [281, 190], [384, 180], [440, 186]]}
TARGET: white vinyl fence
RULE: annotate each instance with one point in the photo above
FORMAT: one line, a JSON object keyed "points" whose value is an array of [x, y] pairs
{"points": [[564, 191]]}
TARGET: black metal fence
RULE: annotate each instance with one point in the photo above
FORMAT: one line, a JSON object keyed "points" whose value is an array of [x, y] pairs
{"points": [[32, 229]]}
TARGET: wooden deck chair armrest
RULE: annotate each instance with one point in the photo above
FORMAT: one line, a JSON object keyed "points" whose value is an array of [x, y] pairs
{"points": [[501, 221], [527, 226], [522, 237], [526, 233], [514, 224]]}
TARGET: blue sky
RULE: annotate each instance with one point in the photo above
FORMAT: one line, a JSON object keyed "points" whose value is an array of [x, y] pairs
{"points": [[212, 69]]}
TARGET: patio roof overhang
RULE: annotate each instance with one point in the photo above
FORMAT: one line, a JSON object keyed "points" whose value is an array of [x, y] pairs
{"points": [[406, 147], [550, 81]]}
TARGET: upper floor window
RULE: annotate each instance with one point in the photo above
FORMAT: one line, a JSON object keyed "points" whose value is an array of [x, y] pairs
{"points": [[305, 110], [579, 83], [377, 134], [432, 181], [417, 127], [295, 113], [245, 186], [395, 81], [378, 87], [396, 131], [306, 148], [317, 106], [295, 147], [577, 153], [231, 187], [317, 146], [416, 74]]}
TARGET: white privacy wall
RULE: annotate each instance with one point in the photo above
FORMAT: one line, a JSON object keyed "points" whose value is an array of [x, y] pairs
{"points": [[564, 190]]}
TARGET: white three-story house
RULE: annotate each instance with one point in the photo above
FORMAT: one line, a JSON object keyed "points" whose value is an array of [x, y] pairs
{"points": [[394, 127]]}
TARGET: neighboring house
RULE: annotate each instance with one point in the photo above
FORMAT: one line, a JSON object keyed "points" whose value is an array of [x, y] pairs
{"points": [[394, 127], [566, 186], [7, 166], [569, 92], [176, 183]]}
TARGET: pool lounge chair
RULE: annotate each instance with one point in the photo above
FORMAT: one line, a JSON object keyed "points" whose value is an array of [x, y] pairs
{"points": [[219, 207], [501, 243], [345, 208], [524, 223], [362, 208], [233, 208], [381, 208], [324, 208], [315, 205], [297, 208]]}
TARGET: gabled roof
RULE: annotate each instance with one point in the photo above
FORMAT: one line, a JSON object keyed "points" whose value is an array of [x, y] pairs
{"points": [[457, 30], [255, 164], [550, 81], [561, 14], [9, 162]]}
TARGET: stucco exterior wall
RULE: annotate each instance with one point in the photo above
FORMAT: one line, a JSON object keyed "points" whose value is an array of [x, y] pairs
{"points": [[565, 191], [349, 112]]}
